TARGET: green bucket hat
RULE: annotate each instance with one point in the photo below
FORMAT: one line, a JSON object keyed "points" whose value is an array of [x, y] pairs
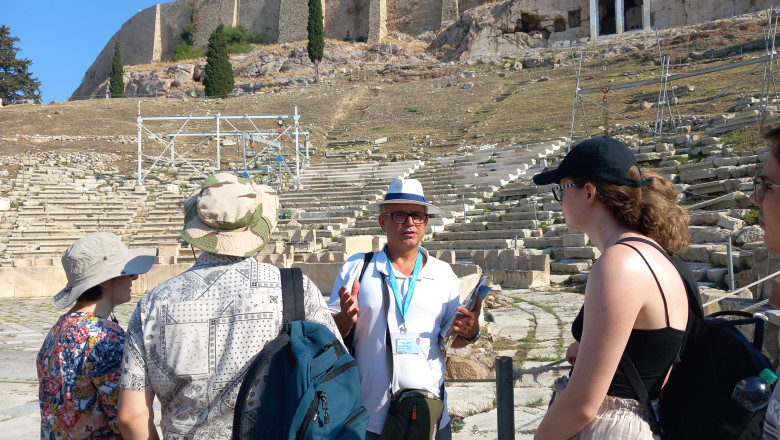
{"points": [[230, 215]]}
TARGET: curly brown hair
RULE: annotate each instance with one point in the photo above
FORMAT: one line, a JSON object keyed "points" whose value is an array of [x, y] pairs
{"points": [[651, 210], [772, 136]]}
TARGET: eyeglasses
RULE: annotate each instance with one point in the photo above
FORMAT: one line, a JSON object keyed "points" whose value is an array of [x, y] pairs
{"points": [[400, 217], [759, 188], [558, 191]]}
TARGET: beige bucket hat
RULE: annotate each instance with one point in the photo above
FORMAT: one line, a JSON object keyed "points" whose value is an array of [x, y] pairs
{"points": [[230, 215], [96, 258]]}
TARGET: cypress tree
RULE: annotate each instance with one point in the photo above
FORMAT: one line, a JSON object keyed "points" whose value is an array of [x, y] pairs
{"points": [[316, 44], [116, 82], [218, 80], [16, 80]]}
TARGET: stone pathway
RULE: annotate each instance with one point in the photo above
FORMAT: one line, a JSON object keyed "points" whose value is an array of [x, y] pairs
{"points": [[533, 330]]}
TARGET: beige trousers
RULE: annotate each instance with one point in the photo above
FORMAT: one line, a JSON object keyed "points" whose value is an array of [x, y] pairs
{"points": [[618, 419]]}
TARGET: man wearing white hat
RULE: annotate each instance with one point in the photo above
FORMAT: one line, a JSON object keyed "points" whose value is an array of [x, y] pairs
{"points": [[191, 339], [79, 363], [422, 305]]}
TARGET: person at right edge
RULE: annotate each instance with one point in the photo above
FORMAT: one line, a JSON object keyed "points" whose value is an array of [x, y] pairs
{"points": [[424, 301], [766, 195], [635, 300]]}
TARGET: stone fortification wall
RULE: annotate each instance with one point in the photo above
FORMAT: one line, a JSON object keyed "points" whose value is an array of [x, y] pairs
{"points": [[209, 15], [346, 19], [293, 15], [413, 16], [173, 17], [668, 13], [137, 43], [262, 16]]}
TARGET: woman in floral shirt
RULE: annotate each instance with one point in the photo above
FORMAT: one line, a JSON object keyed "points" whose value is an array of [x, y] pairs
{"points": [[79, 362]]}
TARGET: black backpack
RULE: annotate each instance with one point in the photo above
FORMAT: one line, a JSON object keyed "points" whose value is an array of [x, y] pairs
{"points": [[696, 401], [313, 387]]}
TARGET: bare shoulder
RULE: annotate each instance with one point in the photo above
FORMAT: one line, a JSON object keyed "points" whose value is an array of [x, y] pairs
{"points": [[619, 260]]}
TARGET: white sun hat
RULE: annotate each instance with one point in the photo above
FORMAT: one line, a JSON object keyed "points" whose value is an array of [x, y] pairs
{"points": [[405, 191], [96, 258]]}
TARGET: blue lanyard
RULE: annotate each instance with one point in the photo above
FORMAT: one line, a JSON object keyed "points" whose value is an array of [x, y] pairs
{"points": [[403, 305]]}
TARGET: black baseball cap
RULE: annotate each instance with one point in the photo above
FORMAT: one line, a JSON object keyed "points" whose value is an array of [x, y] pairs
{"points": [[602, 158]]}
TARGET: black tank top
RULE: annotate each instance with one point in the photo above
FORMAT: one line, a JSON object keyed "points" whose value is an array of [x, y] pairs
{"points": [[651, 350]]}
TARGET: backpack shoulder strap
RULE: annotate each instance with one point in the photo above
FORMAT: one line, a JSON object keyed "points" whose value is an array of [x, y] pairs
{"points": [[629, 369], [349, 340], [292, 294], [366, 259]]}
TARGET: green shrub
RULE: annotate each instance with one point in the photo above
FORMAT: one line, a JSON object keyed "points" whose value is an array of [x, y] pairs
{"points": [[186, 52], [242, 35], [188, 34], [751, 218]]}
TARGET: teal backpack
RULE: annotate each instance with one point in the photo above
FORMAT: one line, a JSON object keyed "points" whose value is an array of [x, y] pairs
{"points": [[313, 388]]}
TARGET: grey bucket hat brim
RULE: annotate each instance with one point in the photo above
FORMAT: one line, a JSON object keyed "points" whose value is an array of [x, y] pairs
{"points": [[96, 258]]}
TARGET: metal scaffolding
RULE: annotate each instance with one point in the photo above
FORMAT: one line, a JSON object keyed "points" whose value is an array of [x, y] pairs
{"points": [[279, 145], [665, 79]]}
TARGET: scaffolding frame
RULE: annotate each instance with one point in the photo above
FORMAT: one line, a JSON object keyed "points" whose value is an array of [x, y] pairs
{"points": [[768, 61], [276, 139]]}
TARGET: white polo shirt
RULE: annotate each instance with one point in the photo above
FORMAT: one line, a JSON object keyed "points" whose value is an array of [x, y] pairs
{"points": [[433, 306]]}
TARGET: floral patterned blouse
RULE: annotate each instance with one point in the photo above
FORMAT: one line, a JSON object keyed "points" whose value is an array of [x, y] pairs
{"points": [[78, 377]]}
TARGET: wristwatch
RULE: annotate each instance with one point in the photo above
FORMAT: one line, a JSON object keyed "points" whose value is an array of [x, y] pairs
{"points": [[474, 339]]}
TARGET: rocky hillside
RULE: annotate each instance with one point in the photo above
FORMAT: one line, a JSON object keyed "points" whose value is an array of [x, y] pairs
{"points": [[497, 33]]}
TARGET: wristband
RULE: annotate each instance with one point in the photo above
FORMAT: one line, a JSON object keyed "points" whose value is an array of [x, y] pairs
{"points": [[474, 339]]}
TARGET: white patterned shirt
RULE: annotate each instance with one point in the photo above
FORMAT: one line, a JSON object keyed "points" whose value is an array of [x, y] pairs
{"points": [[191, 338]]}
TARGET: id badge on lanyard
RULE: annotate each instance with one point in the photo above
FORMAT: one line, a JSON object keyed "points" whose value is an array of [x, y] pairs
{"points": [[405, 342]]}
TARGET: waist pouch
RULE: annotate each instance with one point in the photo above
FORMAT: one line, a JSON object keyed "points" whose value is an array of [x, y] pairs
{"points": [[414, 415]]}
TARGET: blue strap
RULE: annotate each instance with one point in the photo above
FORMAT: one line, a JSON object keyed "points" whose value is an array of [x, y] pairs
{"points": [[403, 304]]}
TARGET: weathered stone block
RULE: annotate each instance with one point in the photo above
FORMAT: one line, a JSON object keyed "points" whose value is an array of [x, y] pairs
{"points": [[583, 252], [749, 234], [352, 244], [571, 240], [520, 279], [569, 266], [711, 235], [700, 252], [730, 223], [720, 258], [7, 280], [699, 174]]}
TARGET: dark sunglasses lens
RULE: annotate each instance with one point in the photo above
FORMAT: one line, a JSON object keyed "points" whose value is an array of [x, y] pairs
{"points": [[418, 217], [400, 217]]}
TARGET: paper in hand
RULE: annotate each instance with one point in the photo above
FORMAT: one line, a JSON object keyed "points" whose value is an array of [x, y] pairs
{"points": [[480, 291]]}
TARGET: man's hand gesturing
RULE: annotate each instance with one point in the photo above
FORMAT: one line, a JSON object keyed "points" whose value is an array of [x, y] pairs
{"points": [[349, 308]]}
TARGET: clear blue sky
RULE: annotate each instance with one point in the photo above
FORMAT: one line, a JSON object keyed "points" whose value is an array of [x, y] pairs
{"points": [[63, 37]]}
